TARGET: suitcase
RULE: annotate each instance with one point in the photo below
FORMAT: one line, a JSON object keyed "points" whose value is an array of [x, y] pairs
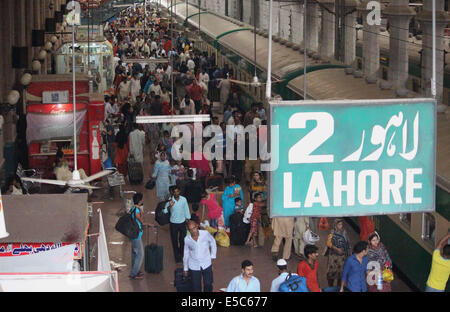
{"points": [[153, 255], [238, 229], [135, 171], [215, 181], [181, 283]]}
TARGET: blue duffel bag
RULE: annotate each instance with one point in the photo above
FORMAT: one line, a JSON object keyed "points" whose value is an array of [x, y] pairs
{"points": [[293, 283]]}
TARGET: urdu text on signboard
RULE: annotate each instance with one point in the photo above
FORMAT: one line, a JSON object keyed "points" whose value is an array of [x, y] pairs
{"points": [[353, 158]]}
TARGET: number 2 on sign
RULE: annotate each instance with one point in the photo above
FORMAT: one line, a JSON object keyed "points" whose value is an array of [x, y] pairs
{"points": [[300, 153]]}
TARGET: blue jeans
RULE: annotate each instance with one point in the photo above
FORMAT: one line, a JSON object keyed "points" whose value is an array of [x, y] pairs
{"points": [[331, 289], [429, 289], [196, 277], [137, 256]]}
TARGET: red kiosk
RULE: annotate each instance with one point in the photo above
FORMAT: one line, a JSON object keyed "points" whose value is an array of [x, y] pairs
{"points": [[49, 107]]}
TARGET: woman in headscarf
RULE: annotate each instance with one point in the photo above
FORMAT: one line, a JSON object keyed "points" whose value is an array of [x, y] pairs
{"points": [[232, 191], [257, 185], [121, 145], [338, 247], [379, 253], [161, 172]]}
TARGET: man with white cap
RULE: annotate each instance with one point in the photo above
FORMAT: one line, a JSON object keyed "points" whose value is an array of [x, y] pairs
{"points": [[283, 274]]}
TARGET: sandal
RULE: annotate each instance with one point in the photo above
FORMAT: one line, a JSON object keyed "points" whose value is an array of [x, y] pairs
{"points": [[138, 277]]}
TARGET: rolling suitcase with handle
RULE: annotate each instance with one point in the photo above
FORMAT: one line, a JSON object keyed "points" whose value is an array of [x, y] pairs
{"points": [[153, 255], [135, 171], [182, 284]]}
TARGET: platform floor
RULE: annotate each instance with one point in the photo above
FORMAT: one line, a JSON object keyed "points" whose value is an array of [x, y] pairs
{"points": [[226, 266]]}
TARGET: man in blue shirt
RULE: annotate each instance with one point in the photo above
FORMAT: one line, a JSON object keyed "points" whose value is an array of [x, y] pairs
{"points": [[179, 213], [355, 269], [245, 282]]}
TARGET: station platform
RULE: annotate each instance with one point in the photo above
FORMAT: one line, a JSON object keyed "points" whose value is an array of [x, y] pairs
{"points": [[225, 267]]}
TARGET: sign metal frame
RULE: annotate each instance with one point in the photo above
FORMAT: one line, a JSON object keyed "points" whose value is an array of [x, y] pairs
{"points": [[273, 104]]}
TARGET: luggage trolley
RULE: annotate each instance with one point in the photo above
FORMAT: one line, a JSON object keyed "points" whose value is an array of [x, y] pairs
{"points": [[29, 187], [127, 197]]}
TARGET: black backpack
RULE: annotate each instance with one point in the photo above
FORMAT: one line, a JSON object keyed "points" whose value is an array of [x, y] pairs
{"points": [[128, 226], [193, 191], [161, 217]]}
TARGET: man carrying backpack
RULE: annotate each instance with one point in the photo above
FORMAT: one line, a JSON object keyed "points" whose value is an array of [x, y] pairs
{"points": [[282, 275]]}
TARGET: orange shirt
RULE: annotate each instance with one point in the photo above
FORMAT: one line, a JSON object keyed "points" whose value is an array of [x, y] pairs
{"points": [[303, 269]]}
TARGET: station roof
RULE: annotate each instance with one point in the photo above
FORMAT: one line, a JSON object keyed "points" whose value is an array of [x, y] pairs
{"points": [[45, 218]]}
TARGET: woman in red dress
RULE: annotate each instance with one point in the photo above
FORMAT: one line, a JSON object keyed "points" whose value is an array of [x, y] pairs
{"points": [[255, 220], [121, 145]]}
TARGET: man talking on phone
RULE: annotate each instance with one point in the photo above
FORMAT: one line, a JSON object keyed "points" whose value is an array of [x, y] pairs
{"points": [[179, 213]]}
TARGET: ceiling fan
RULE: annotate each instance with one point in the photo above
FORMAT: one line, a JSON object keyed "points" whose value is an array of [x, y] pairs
{"points": [[76, 181]]}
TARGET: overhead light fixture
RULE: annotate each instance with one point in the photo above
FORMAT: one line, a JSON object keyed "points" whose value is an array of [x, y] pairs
{"points": [[48, 46], [25, 79], [147, 61], [42, 55], [36, 65], [13, 97], [173, 118]]}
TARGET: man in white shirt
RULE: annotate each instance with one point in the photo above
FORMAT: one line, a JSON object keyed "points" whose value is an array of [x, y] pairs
{"points": [[135, 88], [203, 77], [191, 65], [199, 250], [108, 108], [137, 142], [155, 87], [153, 46], [138, 42], [147, 49], [182, 57], [124, 89], [282, 274], [187, 105]]}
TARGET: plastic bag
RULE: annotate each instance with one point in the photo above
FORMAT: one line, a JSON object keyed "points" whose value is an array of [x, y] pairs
{"points": [[388, 276], [310, 238], [222, 239], [323, 224], [211, 230]]}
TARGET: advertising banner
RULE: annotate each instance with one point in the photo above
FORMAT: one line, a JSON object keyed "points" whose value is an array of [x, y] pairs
{"points": [[17, 249], [353, 158]]}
